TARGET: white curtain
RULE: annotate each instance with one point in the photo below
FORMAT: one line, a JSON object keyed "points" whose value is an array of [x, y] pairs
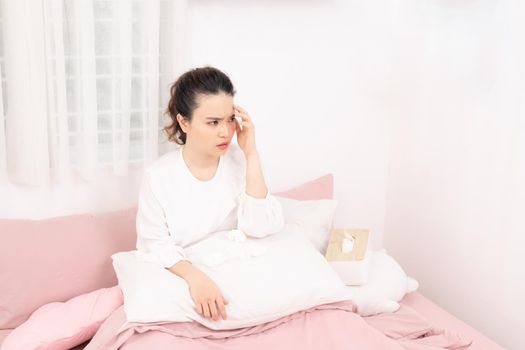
{"points": [[82, 85]]}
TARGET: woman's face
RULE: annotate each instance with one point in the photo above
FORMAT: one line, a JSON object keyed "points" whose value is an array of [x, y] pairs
{"points": [[213, 123]]}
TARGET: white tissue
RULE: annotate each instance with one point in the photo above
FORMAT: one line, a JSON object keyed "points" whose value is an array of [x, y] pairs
{"points": [[222, 250], [348, 244], [236, 235]]}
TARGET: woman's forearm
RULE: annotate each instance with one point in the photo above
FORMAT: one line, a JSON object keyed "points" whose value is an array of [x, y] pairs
{"points": [[185, 270], [255, 184]]}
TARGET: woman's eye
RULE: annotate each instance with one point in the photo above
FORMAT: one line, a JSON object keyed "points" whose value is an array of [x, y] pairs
{"points": [[232, 119], [213, 122]]}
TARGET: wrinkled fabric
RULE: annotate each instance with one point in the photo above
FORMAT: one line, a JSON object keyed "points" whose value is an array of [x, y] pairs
{"points": [[332, 326]]}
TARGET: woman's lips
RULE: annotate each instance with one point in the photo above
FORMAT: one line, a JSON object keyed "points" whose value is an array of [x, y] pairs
{"points": [[223, 145]]}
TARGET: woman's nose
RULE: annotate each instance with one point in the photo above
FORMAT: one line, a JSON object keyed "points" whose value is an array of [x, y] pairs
{"points": [[224, 130]]}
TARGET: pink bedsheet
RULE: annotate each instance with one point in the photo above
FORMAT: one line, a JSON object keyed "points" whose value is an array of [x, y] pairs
{"points": [[333, 326], [3, 334], [443, 319]]}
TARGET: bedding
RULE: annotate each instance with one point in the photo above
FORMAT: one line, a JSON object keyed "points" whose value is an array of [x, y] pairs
{"points": [[263, 279], [387, 284], [85, 242], [319, 188], [61, 326], [334, 326], [314, 217], [445, 320], [310, 329], [184, 328], [87, 249], [427, 309], [3, 334]]}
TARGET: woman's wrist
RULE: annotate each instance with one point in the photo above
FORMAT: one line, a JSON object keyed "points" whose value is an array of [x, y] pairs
{"points": [[255, 184], [251, 154], [184, 269]]}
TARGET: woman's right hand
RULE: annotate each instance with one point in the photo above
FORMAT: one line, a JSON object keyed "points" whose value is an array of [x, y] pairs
{"points": [[206, 295]]}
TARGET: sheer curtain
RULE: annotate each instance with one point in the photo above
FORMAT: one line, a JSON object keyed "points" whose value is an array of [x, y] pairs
{"points": [[84, 87]]}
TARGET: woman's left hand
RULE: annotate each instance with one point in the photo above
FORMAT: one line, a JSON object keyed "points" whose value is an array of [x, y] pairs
{"points": [[246, 136]]}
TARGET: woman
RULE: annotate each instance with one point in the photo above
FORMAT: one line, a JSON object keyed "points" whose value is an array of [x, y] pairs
{"points": [[208, 184]]}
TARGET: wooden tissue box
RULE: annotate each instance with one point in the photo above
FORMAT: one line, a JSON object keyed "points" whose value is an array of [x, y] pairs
{"points": [[347, 254]]}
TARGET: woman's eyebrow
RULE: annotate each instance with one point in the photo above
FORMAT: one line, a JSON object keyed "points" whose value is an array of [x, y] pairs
{"points": [[216, 118]]}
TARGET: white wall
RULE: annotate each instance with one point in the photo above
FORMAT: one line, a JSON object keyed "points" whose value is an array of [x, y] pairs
{"points": [[456, 190]]}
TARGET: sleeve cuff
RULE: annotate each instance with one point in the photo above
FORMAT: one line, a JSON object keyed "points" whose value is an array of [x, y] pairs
{"points": [[166, 258], [247, 197]]}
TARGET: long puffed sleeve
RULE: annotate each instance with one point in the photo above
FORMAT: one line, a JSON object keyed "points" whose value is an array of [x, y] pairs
{"points": [[259, 217], [154, 242]]}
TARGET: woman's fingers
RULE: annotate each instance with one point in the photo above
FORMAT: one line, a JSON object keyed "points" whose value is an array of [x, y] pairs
{"points": [[246, 122], [238, 126], [244, 117], [206, 310], [213, 309], [222, 308], [242, 112], [198, 306], [239, 108]]}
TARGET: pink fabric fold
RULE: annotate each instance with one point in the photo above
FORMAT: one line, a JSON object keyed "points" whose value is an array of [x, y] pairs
{"points": [[411, 330], [333, 326], [63, 325]]}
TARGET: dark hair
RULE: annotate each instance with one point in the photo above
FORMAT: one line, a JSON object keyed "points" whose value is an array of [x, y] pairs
{"points": [[205, 80]]}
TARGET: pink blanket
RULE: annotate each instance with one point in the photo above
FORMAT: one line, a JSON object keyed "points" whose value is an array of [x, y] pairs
{"points": [[332, 326]]}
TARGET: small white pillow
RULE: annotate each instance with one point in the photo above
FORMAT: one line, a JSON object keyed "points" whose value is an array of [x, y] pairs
{"points": [[263, 279], [315, 217], [387, 284]]}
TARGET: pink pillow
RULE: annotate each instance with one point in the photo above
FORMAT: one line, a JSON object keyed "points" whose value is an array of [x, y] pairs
{"points": [[57, 326], [320, 188], [56, 259]]}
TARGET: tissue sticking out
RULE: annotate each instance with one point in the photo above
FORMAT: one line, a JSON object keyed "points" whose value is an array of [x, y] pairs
{"points": [[347, 245], [236, 235]]}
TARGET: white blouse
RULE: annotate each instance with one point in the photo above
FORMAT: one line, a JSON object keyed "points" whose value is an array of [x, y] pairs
{"points": [[175, 209]]}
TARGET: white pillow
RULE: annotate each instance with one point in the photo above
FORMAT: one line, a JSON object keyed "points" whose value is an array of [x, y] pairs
{"points": [[387, 284], [263, 279], [315, 217]]}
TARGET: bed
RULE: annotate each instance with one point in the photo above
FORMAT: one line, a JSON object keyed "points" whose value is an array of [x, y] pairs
{"points": [[97, 237]]}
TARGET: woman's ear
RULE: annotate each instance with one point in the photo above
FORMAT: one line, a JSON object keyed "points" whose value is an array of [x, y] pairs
{"points": [[182, 122]]}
